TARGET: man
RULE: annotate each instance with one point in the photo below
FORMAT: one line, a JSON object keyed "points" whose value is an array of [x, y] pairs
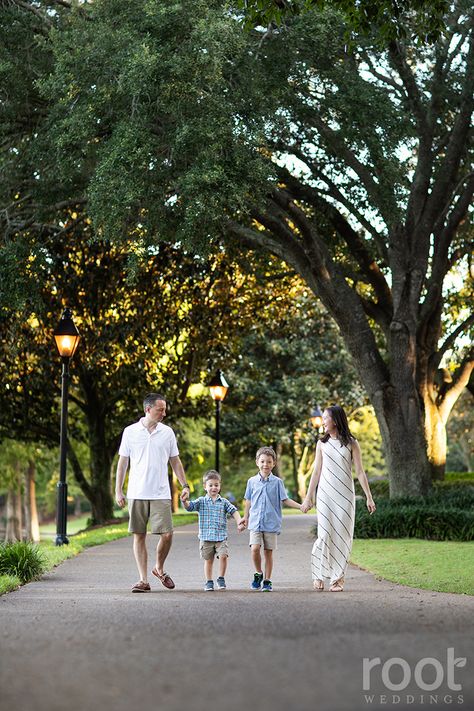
{"points": [[148, 445]]}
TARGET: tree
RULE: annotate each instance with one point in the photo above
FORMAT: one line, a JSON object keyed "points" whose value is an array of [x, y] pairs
{"points": [[353, 164], [287, 363], [137, 334]]}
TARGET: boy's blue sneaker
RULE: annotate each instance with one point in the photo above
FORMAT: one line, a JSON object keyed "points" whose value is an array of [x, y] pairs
{"points": [[257, 581], [209, 585], [267, 586], [220, 583]]}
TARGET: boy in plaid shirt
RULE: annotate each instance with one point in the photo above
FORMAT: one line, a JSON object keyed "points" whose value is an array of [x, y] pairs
{"points": [[213, 510]]}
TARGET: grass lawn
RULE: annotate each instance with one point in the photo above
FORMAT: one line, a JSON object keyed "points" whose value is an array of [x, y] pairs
{"points": [[95, 537], [445, 566], [73, 526]]}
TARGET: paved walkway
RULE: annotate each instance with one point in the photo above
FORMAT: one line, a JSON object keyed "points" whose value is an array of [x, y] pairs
{"points": [[78, 640]]}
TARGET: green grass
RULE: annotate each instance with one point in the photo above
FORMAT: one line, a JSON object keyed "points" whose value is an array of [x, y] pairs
{"points": [[445, 566], [73, 526], [54, 555], [9, 583]]}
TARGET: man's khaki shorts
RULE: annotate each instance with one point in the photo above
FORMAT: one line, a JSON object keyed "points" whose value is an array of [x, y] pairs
{"points": [[157, 511], [209, 549], [269, 540]]}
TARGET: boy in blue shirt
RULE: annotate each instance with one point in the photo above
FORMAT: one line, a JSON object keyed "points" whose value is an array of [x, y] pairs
{"points": [[213, 510], [264, 496]]}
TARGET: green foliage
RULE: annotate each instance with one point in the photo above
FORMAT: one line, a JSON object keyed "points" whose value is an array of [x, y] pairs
{"points": [[137, 335], [23, 560], [391, 20], [378, 487], [458, 477], [173, 124], [447, 514], [413, 521], [460, 434], [454, 484], [288, 361], [364, 426]]}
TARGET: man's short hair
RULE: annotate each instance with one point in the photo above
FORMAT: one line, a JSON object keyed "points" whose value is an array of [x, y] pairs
{"points": [[211, 474], [269, 451], [150, 399]]}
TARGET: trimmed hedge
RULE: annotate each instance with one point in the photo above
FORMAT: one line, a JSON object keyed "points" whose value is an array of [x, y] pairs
{"points": [[403, 520], [444, 515], [454, 481]]}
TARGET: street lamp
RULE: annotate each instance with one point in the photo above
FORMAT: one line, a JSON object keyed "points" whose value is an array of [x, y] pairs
{"points": [[67, 337], [316, 417], [218, 387]]}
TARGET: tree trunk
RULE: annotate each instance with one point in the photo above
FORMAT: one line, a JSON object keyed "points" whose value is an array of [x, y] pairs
{"points": [[435, 430], [305, 469], [403, 437], [294, 468], [14, 528], [31, 511], [77, 506], [174, 493]]}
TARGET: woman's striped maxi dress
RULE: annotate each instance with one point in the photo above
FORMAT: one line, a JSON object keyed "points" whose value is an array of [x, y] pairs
{"points": [[335, 505]]}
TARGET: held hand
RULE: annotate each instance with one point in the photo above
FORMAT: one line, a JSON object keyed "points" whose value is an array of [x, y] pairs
{"points": [[243, 524], [184, 495], [371, 506], [306, 505], [120, 499]]}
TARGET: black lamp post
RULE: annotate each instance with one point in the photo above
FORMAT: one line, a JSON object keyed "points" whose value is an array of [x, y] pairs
{"points": [[67, 337], [218, 387], [316, 418]]}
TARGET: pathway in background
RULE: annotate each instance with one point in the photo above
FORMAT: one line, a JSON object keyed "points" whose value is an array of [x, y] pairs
{"points": [[78, 640]]}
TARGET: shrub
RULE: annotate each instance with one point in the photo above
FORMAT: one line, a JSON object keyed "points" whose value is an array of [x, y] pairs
{"points": [[437, 517], [415, 522], [21, 559], [455, 482], [447, 498]]}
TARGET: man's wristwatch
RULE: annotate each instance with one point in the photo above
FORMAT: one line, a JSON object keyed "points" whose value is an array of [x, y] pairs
{"points": [[186, 486]]}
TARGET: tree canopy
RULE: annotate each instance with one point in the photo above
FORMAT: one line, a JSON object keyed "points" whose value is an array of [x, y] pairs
{"points": [[352, 162], [385, 18]]}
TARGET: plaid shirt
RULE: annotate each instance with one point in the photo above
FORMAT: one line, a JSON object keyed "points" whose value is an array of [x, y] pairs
{"points": [[212, 517]]}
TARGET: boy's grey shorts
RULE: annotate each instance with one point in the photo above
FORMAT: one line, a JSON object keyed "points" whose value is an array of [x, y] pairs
{"points": [[209, 549], [269, 540]]}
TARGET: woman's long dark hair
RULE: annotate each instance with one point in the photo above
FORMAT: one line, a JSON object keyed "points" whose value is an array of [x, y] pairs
{"points": [[340, 420]]}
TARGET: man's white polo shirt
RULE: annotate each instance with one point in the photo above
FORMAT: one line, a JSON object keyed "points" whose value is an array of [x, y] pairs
{"points": [[149, 455]]}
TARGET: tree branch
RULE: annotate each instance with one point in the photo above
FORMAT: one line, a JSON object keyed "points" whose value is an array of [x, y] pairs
{"points": [[451, 339], [460, 381]]}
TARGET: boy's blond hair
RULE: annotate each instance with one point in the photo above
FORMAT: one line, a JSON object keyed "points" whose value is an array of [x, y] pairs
{"points": [[269, 451], [211, 474]]}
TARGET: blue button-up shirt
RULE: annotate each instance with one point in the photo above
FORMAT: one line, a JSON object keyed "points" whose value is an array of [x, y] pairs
{"points": [[265, 496], [212, 517]]}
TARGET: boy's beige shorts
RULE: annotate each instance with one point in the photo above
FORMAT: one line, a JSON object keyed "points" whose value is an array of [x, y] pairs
{"points": [[269, 540], [209, 549]]}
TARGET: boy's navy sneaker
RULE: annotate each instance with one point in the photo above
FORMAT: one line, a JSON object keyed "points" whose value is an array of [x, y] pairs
{"points": [[220, 583], [257, 581], [267, 586], [209, 585]]}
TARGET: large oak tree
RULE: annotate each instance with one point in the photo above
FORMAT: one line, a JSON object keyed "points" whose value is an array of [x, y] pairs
{"points": [[352, 163]]}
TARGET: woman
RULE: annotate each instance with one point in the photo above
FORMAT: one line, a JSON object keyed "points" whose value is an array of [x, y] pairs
{"points": [[335, 502]]}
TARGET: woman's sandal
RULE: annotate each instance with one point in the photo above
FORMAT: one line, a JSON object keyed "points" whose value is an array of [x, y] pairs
{"points": [[318, 585], [337, 585]]}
